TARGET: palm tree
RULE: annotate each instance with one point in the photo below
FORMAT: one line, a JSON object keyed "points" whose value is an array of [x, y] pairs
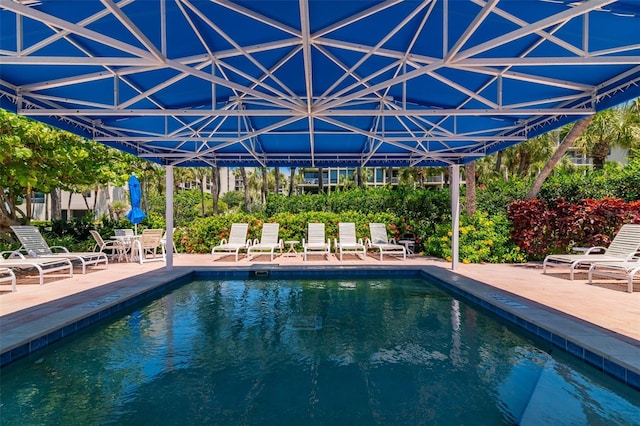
{"points": [[245, 185], [320, 180], [575, 132], [292, 173], [276, 172], [470, 187], [265, 185], [215, 187], [615, 127], [200, 174]]}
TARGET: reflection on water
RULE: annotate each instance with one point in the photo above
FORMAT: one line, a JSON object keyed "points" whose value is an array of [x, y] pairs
{"points": [[315, 352]]}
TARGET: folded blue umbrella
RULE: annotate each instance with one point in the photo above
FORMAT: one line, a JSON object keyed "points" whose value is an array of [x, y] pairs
{"points": [[135, 215]]}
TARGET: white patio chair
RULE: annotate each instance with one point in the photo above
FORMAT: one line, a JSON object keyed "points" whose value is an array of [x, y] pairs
{"points": [[315, 242], [347, 241], [268, 243], [115, 247], [237, 241], [147, 246], [623, 248], [33, 243], [380, 241]]}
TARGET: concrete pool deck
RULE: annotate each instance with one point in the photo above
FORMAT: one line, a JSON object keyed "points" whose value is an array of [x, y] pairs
{"points": [[602, 318]]}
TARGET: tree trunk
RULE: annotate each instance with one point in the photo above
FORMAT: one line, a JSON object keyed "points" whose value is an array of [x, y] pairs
{"points": [[524, 164], [265, 185], [107, 198], [215, 188], [499, 161], [28, 206], [245, 185], [599, 154], [320, 180], [575, 132], [276, 170], [86, 201], [292, 174], [360, 183], [470, 196], [69, 215], [56, 204], [202, 182]]}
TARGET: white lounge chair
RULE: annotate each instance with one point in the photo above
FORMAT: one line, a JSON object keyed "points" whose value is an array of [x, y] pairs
{"points": [[33, 244], [7, 276], [347, 241], [44, 265], [623, 247], [237, 241], [269, 241], [148, 244], [617, 270], [315, 242], [381, 242]]}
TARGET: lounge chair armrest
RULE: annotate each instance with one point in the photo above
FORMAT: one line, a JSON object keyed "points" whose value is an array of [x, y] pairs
{"points": [[61, 248], [12, 254], [590, 250], [304, 242], [281, 244], [255, 241], [248, 243], [360, 241], [223, 241], [632, 256]]}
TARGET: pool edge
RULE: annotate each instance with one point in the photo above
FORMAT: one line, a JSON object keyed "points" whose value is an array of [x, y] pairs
{"points": [[576, 337]]}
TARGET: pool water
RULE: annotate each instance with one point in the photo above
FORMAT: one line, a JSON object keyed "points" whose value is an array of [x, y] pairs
{"points": [[396, 351]]}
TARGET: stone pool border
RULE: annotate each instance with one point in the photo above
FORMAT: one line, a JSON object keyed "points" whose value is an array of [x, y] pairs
{"points": [[592, 344]]}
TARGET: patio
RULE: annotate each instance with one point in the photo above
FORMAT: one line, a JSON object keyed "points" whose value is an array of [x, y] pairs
{"points": [[603, 317]]}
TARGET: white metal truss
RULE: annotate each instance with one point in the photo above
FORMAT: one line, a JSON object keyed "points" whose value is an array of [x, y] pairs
{"points": [[277, 91]]}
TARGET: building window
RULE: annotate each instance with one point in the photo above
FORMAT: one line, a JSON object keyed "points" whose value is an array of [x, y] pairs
{"points": [[37, 197]]}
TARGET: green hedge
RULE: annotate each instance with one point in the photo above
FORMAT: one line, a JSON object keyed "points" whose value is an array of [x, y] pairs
{"points": [[204, 234]]}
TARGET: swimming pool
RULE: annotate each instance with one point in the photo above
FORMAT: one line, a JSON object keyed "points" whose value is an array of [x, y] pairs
{"points": [[340, 351]]}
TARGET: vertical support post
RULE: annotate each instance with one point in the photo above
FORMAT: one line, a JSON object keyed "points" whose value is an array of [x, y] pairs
{"points": [[163, 27], [169, 210], [455, 215], [213, 85]]}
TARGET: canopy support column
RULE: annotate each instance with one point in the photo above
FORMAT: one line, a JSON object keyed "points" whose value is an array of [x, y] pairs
{"points": [[169, 210], [454, 173]]}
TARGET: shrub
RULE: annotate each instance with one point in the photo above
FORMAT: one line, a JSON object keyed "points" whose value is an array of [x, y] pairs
{"points": [[483, 238], [205, 233], [533, 227], [539, 229]]}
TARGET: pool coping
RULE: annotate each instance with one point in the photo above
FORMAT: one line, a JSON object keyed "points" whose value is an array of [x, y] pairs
{"points": [[603, 349]]}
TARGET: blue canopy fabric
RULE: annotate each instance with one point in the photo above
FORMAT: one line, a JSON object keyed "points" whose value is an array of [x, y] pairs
{"points": [[316, 82], [135, 215]]}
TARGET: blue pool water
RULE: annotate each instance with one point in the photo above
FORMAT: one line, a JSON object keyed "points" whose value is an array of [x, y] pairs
{"points": [[396, 351]]}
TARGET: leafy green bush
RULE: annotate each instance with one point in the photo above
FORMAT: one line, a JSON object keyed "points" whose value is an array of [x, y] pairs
{"points": [[205, 233], [579, 185], [497, 194], [483, 238], [626, 184]]}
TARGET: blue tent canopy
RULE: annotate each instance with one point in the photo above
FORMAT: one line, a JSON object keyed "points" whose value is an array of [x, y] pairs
{"points": [[316, 82]]}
